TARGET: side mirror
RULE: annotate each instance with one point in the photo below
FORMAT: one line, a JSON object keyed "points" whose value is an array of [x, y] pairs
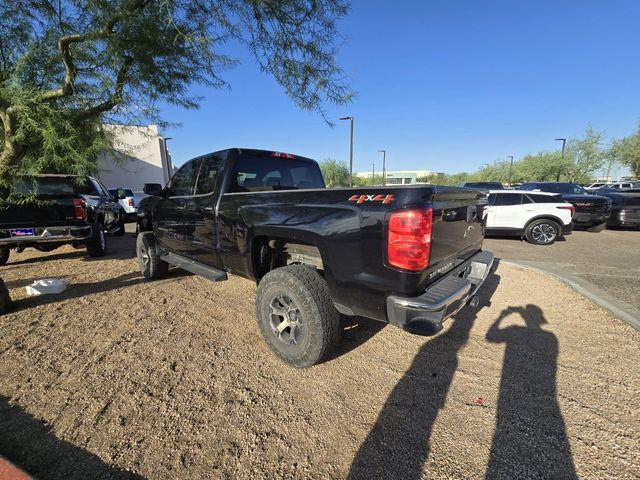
{"points": [[152, 189], [121, 194]]}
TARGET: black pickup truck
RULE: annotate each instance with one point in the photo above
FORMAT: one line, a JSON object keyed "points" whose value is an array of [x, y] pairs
{"points": [[409, 255], [47, 211]]}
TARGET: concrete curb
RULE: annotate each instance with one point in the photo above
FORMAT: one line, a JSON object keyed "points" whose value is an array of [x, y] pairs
{"points": [[622, 310]]}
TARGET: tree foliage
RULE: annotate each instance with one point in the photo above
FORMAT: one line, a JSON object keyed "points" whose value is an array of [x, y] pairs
{"points": [[627, 152], [68, 66], [335, 173]]}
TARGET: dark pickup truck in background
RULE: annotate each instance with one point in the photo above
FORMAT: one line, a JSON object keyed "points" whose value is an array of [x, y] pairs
{"points": [[48, 211], [592, 211], [411, 256]]}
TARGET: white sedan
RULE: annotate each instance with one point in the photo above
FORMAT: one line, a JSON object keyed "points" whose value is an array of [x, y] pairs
{"points": [[539, 217]]}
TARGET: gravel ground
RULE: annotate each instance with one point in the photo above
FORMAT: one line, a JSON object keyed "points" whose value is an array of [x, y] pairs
{"points": [[121, 378]]}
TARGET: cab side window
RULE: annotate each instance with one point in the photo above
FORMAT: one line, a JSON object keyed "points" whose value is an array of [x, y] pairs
{"points": [[181, 184], [209, 174], [509, 199]]}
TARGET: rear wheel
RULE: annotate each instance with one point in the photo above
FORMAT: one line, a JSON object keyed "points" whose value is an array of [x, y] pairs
{"points": [[4, 256], [542, 232], [5, 299], [97, 247], [151, 266], [296, 316]]}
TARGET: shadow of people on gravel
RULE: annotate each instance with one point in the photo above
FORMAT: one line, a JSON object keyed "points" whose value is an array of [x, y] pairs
{"points": [[30, 444], [530, 439], [398, 445]]}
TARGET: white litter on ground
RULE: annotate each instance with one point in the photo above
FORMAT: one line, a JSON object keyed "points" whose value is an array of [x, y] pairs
{"points": [[47, 285]]}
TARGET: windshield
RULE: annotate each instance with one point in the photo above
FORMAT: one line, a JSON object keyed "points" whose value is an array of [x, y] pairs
{"points": [[485, 185], [45, 186]]}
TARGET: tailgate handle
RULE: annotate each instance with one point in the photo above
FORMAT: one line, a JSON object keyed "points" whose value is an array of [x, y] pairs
{"points": [[472, 213]]}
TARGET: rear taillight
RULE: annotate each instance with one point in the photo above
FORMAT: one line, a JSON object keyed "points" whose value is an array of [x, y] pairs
{"points": [[409, 239], [571, 208], [131, 202], [79, 209]]}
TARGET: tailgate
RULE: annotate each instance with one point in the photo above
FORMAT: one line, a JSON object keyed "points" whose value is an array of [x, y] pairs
{"points": [[457, 227], [50, 211]]}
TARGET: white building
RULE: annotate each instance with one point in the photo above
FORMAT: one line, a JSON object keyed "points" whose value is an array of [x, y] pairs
{"points": [[398, 177], [141, 157]]}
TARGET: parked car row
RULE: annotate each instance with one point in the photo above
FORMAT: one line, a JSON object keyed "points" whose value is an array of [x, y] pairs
{"points": [[542, 212], [62, 210]]}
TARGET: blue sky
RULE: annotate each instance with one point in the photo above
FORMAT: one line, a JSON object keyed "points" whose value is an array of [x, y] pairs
{"points": [[444, 85]]}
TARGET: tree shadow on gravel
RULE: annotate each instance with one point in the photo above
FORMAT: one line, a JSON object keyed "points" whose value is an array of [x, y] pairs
{"points": [[530, 439], [30, 444], [77, 290], [398, 445]]}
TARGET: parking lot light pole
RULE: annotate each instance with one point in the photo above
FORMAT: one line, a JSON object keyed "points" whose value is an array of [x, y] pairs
{"points": [[350, 149], [373, 174], [510, 167], [564, 142], [384, 167]]}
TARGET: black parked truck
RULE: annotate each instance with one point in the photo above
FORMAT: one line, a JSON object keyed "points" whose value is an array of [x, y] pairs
{"points": [[47, 211], [409, 255]]}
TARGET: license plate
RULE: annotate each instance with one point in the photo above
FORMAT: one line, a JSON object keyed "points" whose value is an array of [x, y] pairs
{"points": [[581, 217], [22, 232]]}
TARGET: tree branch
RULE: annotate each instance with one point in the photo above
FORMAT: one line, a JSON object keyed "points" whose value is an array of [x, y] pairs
{"points": [[116, 97], [64, 46]]}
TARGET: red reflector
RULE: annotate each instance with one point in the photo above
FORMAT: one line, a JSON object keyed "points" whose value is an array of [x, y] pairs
{"points": [[283, 155], [79, 209], [131, 202], [409, 239]]}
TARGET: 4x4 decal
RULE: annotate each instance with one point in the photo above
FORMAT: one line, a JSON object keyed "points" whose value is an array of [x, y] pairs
{"points": [[372, 198]]}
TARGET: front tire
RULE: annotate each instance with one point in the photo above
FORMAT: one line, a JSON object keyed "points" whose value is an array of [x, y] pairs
{"points": [[151, 266], [4, 256], [97, 247], [296, 316], [5, 299], [542, 232]]}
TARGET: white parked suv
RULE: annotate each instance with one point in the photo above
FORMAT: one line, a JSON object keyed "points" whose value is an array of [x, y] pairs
{"points": [[539, 217], [126, 198]]}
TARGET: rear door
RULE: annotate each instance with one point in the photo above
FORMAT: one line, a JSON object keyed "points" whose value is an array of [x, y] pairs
{"points": [[169, 218], [200, 215]]}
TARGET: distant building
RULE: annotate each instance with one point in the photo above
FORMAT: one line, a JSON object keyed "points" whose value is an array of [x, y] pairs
{"points": [[141, 157], [398, 177]]}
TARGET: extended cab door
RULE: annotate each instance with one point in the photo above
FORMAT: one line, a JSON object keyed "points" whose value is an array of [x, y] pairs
{"points": [[169, 219], [200, 212]]}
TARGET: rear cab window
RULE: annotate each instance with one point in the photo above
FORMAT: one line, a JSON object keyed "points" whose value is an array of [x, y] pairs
{"points": [[265, 171]]}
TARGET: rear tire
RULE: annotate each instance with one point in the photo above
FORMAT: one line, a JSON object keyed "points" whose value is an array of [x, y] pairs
{"points": [[151, 266], [542, 232], [597, 228], [296, 316], [97, 247], [4, 256], [5, 299], [120, 232]]}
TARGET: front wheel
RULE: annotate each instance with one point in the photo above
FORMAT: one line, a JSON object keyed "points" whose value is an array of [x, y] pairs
{"points": [[4, 256], [542, 232], [151, 266], [296, 316], [97, 247]]}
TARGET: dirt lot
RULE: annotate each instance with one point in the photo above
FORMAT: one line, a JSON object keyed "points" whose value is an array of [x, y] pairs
{"points": [[119, 378]]}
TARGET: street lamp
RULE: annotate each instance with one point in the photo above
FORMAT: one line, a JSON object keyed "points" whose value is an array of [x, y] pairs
{"points": [[373, 173], [350, 149], [564, 142], [510, 167], [384, 169]]}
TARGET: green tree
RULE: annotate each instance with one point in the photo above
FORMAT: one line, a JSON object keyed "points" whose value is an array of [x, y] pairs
{"points": [[585, 155], [335, 173], [627, 152], [68, 66]]}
